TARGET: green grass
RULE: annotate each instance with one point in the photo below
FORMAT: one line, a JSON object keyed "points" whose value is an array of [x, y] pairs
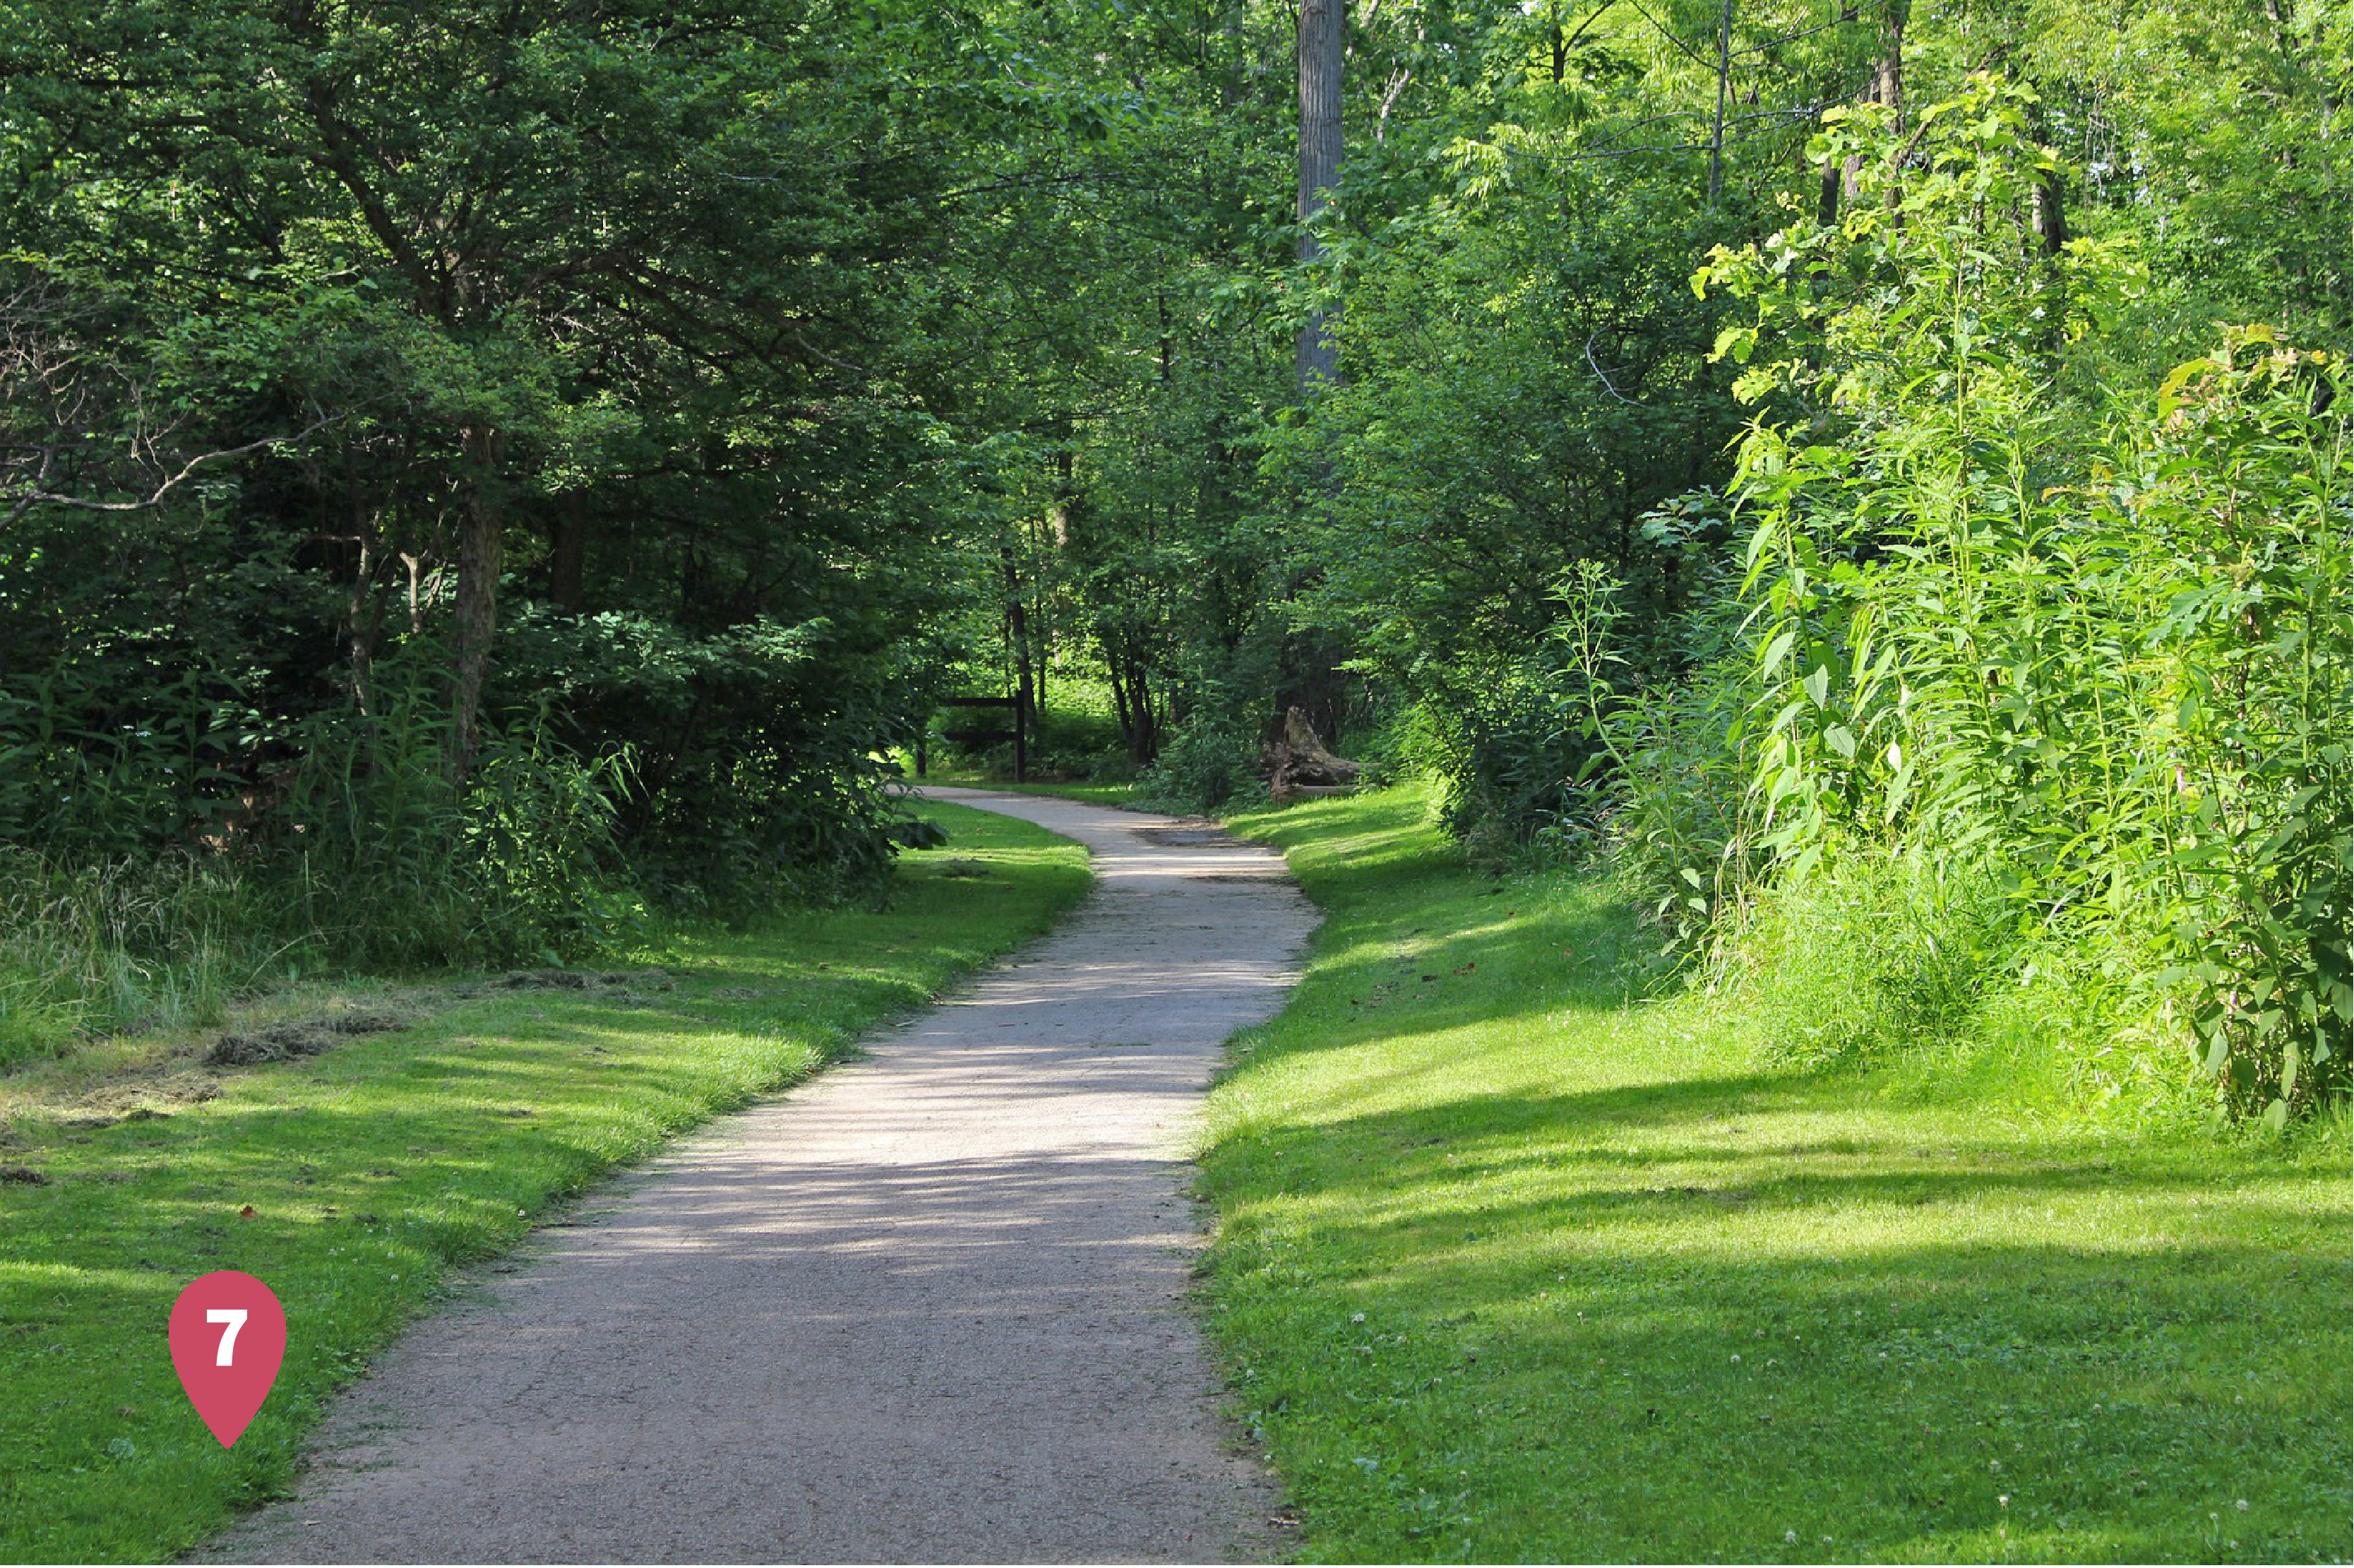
{"points": [[376, 1169], [1511, 1266], [968, 778]]}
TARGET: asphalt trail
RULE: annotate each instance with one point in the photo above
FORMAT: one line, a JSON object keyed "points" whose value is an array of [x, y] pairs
{"points": [[926, 1307]]}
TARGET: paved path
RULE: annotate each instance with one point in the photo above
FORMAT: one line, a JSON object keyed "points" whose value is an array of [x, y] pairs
{"points": [[926, 1307]]}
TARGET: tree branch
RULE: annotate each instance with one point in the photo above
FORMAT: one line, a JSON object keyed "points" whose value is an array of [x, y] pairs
{"points": [[34, 495]]}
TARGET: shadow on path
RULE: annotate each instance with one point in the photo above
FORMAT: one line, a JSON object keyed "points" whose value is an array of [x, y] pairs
{"points": [[928, 1307]]}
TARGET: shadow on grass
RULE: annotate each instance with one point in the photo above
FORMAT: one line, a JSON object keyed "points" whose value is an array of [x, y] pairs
{"points": [[1529, 1275], [1647, 1321]]}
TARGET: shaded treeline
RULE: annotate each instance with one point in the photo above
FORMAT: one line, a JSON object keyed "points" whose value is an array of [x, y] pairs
{"points": [[496, 467]]}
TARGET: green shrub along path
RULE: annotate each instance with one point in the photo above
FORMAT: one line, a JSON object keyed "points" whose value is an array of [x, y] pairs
{"points": [[353, 1181], [1511, 1265]]}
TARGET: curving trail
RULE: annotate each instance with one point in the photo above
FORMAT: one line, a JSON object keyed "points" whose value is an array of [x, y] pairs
{"points": [[925, 1308]]}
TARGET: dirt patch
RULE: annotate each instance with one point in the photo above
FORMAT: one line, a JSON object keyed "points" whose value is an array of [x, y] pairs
{"points": [[136, 1113], [302, 1037], [22, 1175], [577, 979], [1186, 835]]}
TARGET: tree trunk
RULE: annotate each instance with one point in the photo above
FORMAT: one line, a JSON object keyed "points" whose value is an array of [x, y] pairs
{"points": [[1887, 87], [1321, 45], [364, 616], [1888, 81], [1131, 692], [2050, 215], [567, 554], [480, 542], [1017, 633], [1723, 84], [1299, 759]]}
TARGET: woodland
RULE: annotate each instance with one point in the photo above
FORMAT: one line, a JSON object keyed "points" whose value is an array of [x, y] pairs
{"points": [[1870, 479]]}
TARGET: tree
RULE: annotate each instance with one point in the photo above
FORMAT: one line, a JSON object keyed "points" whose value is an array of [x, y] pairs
{"points": [[1322, 57]]}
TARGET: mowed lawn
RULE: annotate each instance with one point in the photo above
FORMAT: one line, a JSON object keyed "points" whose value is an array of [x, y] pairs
{"points": [[353, 1182], [1513, 1266]]}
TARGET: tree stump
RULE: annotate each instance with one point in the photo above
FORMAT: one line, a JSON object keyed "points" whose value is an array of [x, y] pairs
{"points": [[1299, 764]]}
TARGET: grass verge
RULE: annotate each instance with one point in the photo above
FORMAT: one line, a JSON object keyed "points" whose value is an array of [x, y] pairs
{"points": [[353, 1182], [1513, 1266]]}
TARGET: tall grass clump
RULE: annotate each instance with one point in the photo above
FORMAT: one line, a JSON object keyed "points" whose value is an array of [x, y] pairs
{"points": [[366, 854], [393, 863], [125, 944], [2033, 689]]}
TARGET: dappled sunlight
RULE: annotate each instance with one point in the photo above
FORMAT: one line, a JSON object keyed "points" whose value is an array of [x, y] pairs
{"points": [[1511, 1249], [978, 1224], [353, 1179]]}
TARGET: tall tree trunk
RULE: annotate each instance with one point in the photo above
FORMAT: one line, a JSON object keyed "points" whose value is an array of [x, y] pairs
{"points": [[1834, 176], [1888, 80], [2050, 216], [1131, 692], [1305, 671], [1723, 85], [481, 540], [1017, 634], [364, 617], [1887, 84], [567, 553], [2048, 219], [1321, 45]]}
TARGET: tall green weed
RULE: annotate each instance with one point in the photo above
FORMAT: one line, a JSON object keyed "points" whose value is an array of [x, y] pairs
{"points": [[99, 947], [2093, 661], [397, 863]]}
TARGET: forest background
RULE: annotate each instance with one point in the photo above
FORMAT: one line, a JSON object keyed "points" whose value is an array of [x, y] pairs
{"points": [[1871, 477]]}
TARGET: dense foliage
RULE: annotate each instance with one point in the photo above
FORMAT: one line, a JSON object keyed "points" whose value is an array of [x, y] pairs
{"points": [[2030, 688], [1876, 477], [464, 472]]}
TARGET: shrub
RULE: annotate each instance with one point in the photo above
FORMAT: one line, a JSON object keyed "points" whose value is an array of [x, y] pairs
{"points": [[1209, 761], [2103, 672]]}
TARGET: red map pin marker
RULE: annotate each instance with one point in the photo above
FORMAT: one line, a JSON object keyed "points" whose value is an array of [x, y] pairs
{"points": [[229, 1334]]}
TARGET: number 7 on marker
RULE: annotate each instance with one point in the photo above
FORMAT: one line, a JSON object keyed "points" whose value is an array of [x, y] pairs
{"points": [[235, 1317]]}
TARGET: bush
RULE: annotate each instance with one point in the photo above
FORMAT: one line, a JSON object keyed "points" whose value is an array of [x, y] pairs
{"points": [[2101, 674], [755, 776], [1212, 759], [395, 864]]}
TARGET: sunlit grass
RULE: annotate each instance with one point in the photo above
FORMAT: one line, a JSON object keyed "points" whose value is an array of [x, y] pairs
{"points": [[373, 1169], [1512, 1266], [968, 778]]}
